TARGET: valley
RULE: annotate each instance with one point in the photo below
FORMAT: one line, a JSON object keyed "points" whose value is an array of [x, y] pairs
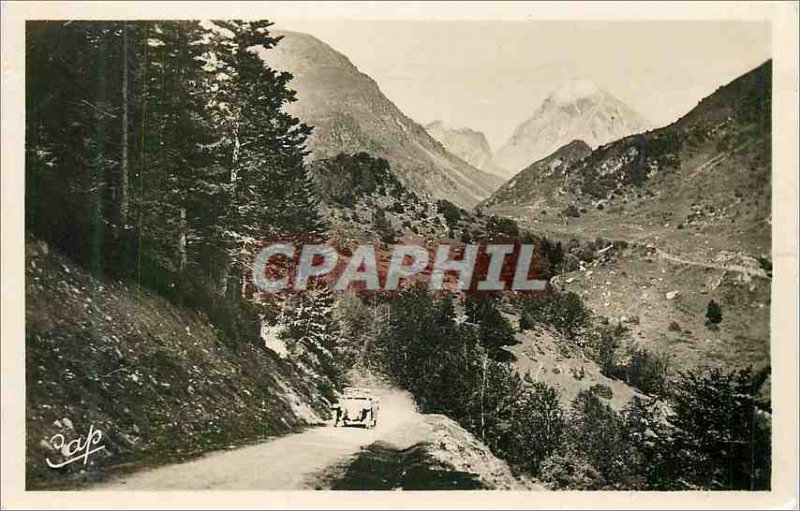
{"points": [[690, 202], [641, 363]]}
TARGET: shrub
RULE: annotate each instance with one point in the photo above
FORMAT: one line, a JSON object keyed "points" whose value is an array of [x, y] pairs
{"points": [[346, 178], [494, 329], [606, 349], [713, 314], [766, 264], [450, 212], [536, 426], [570, 471], [720, 435], [382, 226], [502, 225], [571, 211], [596, 431], [564, 311], [602, 390], [646, 370]]}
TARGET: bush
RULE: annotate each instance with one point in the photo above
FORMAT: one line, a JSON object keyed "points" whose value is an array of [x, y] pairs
{"points": [[713, 314], [564, 311], [720, 431], [646, 370], [535, 429], [383, 227], [450, 212], [639, 367], [602, 390], [502, 225], [606, 352], [570, 471], [494, 329], [766, 264], [571, 211], [346, 178]]}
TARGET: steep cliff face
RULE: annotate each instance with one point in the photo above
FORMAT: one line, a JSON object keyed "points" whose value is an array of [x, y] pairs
{"points": [[351, 114], [579, 110]]}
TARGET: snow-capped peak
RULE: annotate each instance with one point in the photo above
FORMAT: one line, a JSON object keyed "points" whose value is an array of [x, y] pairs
{"points": [[564, 117], [572, 91]]}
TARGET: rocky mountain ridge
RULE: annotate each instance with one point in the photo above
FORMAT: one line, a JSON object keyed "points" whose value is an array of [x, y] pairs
{"points": [[350, 114]]}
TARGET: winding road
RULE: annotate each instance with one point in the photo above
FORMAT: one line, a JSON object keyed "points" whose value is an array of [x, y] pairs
{"points": [[287, 463]]}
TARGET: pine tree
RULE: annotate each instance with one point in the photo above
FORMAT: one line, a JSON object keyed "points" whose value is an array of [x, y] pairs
{"points": [[720, 431], [170, 123], [73, 77], [167, 150], [269, 190], [312, 333], [495, 330]]}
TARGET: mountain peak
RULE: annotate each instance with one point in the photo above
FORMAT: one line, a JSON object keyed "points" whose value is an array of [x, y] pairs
{"points": [[578, 109], [350, 114], [574, 90]]}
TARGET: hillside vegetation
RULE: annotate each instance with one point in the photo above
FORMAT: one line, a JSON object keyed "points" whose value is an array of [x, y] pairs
{"points": [[158, 379], [707, 428], [656, 226]]}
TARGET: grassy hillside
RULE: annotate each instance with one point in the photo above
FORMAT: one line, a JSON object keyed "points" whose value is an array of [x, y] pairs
{"points": [[537, 180], [157, 379], [663, 305], [689, 205]]}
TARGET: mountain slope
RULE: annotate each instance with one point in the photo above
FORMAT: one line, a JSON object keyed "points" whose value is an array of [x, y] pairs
{"points": [[469, 145], [705, 176], [691, 202], [350, 114], [577, 110], [156, 378], [528, 184]]}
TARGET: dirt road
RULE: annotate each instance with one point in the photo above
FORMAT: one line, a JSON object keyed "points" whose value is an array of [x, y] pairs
{"points": [[752, 272], [287, 463]]}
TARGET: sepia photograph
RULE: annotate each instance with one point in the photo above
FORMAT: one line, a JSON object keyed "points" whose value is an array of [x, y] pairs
{"points": [[296, 248]]}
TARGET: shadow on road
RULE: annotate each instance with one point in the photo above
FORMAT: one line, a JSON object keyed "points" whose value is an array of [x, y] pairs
{"points": [[383, 467]]}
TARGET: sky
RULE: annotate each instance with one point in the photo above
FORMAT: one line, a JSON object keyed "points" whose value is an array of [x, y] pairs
{"points": [[492, 75]]}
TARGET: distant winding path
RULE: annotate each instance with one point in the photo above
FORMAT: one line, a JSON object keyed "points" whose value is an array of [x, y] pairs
{"points": [[725, 267]]}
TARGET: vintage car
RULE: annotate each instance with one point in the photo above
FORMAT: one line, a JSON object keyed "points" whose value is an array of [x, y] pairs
{"points": [[356, 407]]}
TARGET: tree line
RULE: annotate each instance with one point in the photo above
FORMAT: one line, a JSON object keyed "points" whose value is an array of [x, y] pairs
{"points": [[709, 429], [160, 151]]}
